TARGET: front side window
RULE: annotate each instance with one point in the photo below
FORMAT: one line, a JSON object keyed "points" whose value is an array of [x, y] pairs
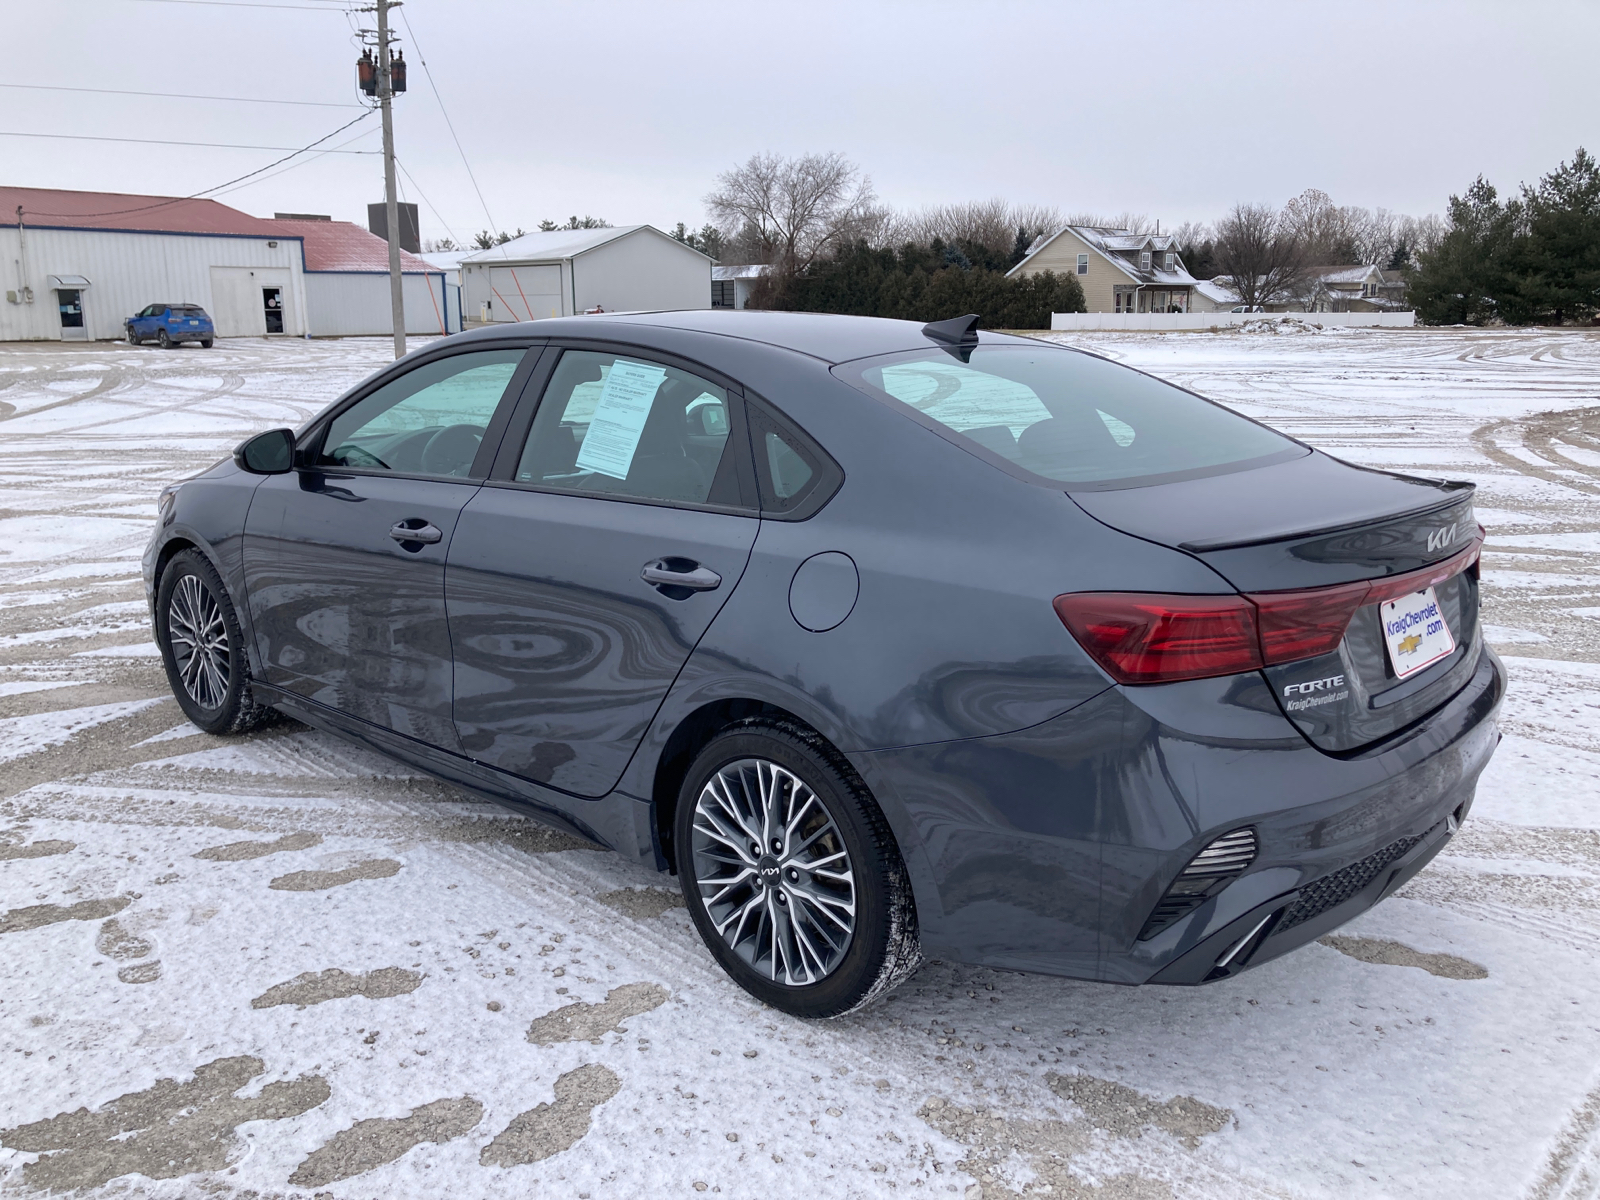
{"points": [[621, 426], [1071, 417], [429, 421]]}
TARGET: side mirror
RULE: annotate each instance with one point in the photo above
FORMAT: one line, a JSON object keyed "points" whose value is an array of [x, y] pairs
{"points": [[270, 453]]}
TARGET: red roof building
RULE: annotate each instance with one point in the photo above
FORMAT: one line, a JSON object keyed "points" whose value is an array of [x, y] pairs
{"points": [[77, 264]]}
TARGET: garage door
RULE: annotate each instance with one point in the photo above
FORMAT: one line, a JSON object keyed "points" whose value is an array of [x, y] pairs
{"points": [[524, 293]]}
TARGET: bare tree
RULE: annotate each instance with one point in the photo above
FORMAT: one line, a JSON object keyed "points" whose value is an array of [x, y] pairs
{"points": [[1261, 251], [794, 208]]}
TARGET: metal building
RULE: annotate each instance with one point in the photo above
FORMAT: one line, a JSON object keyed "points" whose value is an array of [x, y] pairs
{"points": [[568, 271], [76, 264]]}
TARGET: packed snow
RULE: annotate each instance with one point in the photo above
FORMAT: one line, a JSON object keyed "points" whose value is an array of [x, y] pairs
{"points": [[278, 965]]}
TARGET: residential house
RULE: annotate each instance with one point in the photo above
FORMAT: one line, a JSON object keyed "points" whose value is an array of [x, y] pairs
{"points": [[1119, 270], [1351, 288]]}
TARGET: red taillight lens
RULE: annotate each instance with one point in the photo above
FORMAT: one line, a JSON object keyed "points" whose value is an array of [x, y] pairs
{"points": [[1143, 638], [1296, 625], [1140, 638]]}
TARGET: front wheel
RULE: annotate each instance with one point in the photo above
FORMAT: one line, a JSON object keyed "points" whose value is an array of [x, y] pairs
{"points": [[163, 340], [791, 874], [202, 647], [133, 338]]}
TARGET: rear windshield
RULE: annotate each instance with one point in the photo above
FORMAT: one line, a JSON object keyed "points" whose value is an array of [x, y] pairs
{"points": [[1069, 416], [188, 310]]}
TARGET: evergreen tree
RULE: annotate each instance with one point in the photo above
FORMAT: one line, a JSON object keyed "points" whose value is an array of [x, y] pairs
{"points": [[928, 282], [1466, 278], [1559, 259]]}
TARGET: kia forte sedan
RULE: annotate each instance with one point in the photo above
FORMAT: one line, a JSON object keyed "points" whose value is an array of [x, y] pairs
{"points": [[886, 639]]}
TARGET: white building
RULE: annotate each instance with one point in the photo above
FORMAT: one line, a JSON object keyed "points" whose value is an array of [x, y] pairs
{"points": [[566, 271], [76, 264], [730, 286], [347, 283]]}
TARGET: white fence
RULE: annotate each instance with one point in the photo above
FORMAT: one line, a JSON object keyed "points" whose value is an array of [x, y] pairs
{"points": [[1173, 322]]}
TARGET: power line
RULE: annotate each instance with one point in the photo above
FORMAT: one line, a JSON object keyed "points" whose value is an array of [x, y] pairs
{"points": [[426, 201], [50, 87], [416, 49], [240, 179], [85, 137], [251, 181]]}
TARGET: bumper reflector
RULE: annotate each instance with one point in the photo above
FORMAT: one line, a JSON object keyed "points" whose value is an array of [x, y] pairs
{"points": [[1218, 864]]}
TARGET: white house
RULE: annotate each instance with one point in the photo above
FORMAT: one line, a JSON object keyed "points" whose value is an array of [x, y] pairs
{"points": [[566, 271], [76, 264]]}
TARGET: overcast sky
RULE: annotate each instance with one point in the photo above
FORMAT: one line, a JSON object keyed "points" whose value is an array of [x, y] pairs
{"points": [[628, 110]]}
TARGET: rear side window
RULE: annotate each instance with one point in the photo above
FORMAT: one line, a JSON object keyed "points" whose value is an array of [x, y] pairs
{"points": [[429, 421], [1071, 417], [795, 476], [613, 425]]}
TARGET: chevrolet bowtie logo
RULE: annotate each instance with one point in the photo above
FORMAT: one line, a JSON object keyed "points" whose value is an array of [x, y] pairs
{"points": [[1409, 643]]}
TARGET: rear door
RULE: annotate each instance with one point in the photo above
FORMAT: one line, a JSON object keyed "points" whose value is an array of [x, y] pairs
{"points": [[614, 526], [344, 556]]}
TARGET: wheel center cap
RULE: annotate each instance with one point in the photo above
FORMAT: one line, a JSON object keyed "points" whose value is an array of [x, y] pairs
{"points": [[768, 870]]}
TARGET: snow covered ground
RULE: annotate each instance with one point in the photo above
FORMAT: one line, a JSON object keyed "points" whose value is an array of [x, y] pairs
{"points": [[279, 966]]}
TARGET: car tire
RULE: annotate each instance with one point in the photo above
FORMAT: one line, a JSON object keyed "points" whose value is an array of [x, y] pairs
{"points": [[205, 343], [133, 338], [202, 647], [853, 932], [163, 340]]}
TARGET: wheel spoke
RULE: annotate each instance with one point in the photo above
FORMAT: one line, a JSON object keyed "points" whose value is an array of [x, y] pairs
{"points": [[794, 933], [197, 635]]}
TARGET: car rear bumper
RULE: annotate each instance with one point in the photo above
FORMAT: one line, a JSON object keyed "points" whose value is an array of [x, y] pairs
{"points": [[1046, 849]]}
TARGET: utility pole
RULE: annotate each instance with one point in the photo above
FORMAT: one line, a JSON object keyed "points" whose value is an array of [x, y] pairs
{"points": [[397, 303]]}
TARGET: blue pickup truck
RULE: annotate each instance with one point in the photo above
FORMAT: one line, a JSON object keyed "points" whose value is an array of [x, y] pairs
{"points": [[170, 324]]}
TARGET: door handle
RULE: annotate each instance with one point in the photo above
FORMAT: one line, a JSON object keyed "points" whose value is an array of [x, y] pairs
{"points": [[680, 573], [425, 533]]}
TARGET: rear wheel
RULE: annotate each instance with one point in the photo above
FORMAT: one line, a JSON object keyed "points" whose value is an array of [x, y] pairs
{"points": [[202, 647], [163, 340], [205, 343], [791, 874]]}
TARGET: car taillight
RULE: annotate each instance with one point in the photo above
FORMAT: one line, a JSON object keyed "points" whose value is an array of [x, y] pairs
{"points": [[1139, 637], [1142, 638], [1296, 625]]}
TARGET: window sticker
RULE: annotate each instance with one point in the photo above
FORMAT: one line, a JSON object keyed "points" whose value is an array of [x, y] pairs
{"points": [[619, 416]]}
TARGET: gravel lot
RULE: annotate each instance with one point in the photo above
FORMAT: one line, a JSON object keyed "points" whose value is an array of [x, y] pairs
{"points": [[278, 966]]}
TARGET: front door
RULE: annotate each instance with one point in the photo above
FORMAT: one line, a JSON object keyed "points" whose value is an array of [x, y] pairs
{"points": [[344, 557], [583, 574], [272, 308], [69, 302]]}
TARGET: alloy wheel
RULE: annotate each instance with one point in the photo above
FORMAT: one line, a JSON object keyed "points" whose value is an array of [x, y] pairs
{"points": [[197, 633], [773, 872]]}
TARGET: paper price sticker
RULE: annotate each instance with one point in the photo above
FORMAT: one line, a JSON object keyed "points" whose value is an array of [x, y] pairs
{"points": [[619, 416]]}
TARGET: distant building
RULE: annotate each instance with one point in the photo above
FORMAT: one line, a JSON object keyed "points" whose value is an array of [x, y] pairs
{"points": [[76, 264], [1119, 270], [568, 271], [730, 286], [347, 283], [1353, 288]]}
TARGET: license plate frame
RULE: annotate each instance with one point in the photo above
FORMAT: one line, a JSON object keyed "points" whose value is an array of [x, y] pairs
{"points": [[1416, 633]]}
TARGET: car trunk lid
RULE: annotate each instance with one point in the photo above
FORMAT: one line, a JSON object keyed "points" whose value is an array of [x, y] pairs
{"points": [[1318, 523]]}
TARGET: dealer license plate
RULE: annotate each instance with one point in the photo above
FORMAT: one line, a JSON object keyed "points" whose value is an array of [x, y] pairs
{"points": [[1415, 631]]}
